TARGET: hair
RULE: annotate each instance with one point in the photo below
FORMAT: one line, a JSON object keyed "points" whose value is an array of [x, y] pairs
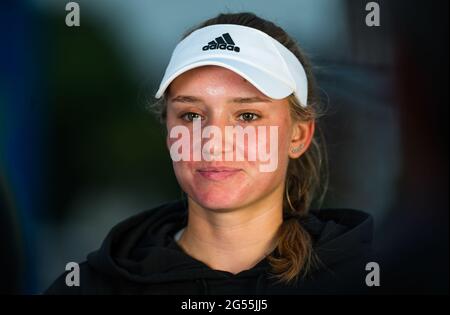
{"points": [[306, 177]]}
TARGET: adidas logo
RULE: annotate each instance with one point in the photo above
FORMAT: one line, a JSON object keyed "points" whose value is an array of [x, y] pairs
{"points": [[224, 42]]}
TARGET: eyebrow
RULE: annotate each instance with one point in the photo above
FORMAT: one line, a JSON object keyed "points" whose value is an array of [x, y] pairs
{"points": [[240, 100]]}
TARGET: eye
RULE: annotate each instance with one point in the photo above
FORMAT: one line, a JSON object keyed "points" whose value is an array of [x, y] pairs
{"points": [[248, 116], [191, 116]]}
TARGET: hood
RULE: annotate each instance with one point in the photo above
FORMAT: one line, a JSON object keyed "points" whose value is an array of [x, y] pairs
{"points": [[130, 248]]}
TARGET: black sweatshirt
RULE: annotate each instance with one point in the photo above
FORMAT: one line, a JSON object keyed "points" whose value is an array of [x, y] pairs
{"points": [[141, 256]]}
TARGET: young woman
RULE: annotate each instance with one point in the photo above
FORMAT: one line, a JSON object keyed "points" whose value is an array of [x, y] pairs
{"points": [[246, 225]]}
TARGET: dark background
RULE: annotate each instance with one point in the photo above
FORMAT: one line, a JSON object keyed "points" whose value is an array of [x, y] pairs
{"points": [[79, 151]]}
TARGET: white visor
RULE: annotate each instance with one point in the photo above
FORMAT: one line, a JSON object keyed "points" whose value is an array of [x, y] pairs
{"points": [[263, 61]]}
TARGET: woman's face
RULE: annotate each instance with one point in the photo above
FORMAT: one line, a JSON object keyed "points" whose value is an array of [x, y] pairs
{"points": [[221, 98]]}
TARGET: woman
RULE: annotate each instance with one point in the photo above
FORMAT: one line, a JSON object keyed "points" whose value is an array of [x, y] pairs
{"points": [[246, 225]]}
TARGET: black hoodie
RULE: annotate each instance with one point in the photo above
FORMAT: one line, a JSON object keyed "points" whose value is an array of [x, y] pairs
{"points": [[141, 256]]}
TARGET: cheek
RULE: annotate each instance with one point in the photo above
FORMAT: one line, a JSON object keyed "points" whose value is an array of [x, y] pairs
{"points": [[284, 141], [273, 149], [183, 171]]}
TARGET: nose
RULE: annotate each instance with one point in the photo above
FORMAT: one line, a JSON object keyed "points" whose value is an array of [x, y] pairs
{"points": [[218, 143]]}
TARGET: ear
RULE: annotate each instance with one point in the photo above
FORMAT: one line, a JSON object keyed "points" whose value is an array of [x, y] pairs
{"points": [[301, 137]]}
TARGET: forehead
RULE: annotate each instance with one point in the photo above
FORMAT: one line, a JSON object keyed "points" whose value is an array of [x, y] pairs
{"points": [[212, 80]]}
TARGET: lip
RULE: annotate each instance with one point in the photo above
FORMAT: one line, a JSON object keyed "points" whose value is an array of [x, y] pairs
{"points": [[218, 173]]}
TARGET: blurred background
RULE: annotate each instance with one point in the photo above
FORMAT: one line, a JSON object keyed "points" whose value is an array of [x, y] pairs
{"points": [[79, 152]]}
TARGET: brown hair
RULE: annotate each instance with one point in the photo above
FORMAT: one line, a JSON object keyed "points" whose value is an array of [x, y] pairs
{"points": [[307, 176]]}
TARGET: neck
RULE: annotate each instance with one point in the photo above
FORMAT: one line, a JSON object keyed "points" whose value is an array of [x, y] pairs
{"points": [[232, 240]]}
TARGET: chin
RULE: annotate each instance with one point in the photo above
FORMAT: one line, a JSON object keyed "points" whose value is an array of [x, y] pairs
{"points": [[219, 199]]}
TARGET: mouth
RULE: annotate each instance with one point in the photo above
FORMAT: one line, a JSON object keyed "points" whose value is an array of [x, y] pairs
{"points": [[218, 173]]}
